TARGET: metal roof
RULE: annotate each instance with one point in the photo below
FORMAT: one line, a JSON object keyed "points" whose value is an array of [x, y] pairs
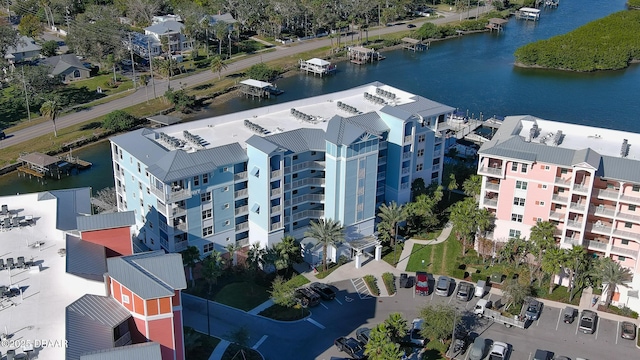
{"points": [[256, 83], [226, 17], [344, 131], [165, 27], [39, 159], [85, 259], [319, 62], [143, 351], [61, 63], [140, 146], [164, 119], [425, 107], [90, 321], [25, 44], [150, 275], [298, 141], [106, 221]]}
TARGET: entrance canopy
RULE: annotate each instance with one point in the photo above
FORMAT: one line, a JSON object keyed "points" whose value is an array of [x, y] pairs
{"points": [[364, 243]]}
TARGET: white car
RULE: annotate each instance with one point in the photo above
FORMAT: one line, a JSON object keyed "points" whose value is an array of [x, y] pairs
{"points": [[498, 351]]}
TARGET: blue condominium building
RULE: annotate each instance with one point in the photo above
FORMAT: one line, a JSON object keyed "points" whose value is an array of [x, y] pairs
{"points": [[262, 174]]}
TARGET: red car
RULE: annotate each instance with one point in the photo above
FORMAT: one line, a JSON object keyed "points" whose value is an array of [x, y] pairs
{"points": [[422, 283]]}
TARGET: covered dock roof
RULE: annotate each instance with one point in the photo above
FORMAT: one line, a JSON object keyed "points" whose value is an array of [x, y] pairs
{"points": [[411, 40], [318, 62], [256, 83], [39, 159], [164, 119]]}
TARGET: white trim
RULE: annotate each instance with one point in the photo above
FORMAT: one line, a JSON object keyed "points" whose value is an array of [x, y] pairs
{"points": [[152, 317]]}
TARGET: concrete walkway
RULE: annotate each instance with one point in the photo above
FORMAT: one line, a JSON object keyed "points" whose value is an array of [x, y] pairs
{"points": [[219, 350], [258, 309], [408, 246]]}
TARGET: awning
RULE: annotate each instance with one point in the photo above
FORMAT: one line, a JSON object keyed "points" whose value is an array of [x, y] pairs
{"points": [[363, 243]]}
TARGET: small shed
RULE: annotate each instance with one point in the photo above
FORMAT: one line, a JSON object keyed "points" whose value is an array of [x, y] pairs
{"points": [[39, 164], [164, 120], [528, 13]]}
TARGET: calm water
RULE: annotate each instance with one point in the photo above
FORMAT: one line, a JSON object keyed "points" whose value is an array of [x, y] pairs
{"points": [[473, 72]]}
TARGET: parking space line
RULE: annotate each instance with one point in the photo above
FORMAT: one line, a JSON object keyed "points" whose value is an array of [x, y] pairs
{"points": [[597, 329], [529, 356], [325, 306], [538, 321], [262, 339], [336, 299], [617, 332], [316, 323], [432, 295], [577, 326], [558, 323], [451, 298]]}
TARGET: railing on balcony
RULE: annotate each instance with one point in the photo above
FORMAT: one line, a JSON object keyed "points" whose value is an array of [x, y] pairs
{"points": [[242, 226], [240, 176], [562, 182], [276, 173], [603, 211], [241, 193], [492, 186], [382, 160], [315, 164], [559, 199], [304, 198], [275, 209], [178, 210], [577, 206], [276, 226], [556, 215], [119, 174], [242, 209], [597, 245], [490, 202], [572, 241], [406, 155], [161, 207], [275, 192], [625, 251], [182, 226], [382, 175], [580, 188], [408, 139], [242, 242], [630, 199], [307, 214], [180, 246], [404, 186], [304, 182], [574, 224], [608, 194], [626, 234], [490, 171], [164, 227], [405, 170], [600, 228], [626, 216], [178, 193]]}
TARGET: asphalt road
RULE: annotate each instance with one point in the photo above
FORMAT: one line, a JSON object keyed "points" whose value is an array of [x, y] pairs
{"points": [[140, 96]]}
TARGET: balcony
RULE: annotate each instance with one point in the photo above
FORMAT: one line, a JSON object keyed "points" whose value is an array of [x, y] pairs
{"points": [[382, 175], [607, 194], [577, 225], [556, 216], [161, 207], [382, 160], [603, 211], [600, 228], [405, 186], [304, 198], [178, 210], [242, 226], [276, 226], [181, 246], [577, 206], [630, 199], [572, 241], [242, 242], [240, 176], [492, 187], [182, 226], [490, 171], [241, 193], [308, 165], [562, 182], [625, 251], [306, 214], [408, 139], [275, 192], [119, 175], [406, 155], [581, 189], [597, 245], [625, 216], [559, 199], [178, 193], [626, 234], [490, 202], [275, 209], [242, 210], [276, 173], [405, 171], [304, 182]]}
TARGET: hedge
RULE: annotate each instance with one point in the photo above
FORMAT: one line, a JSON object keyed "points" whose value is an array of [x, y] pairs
{"points": [[390, 282], [370, 280], [478, 276]]}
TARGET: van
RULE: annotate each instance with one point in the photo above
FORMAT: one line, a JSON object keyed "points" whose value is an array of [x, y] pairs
{"points": [[481, 288]]}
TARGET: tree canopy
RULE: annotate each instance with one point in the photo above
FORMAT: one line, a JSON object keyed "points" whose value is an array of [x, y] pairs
{"points": [[119, 120]]}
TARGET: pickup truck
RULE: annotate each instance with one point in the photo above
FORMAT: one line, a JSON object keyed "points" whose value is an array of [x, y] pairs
{"points": [[588, 321], [483, 309]]}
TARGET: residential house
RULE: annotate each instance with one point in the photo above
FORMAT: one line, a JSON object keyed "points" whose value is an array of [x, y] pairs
{"points": [[172, 31], [68, 67], [25, 50]]}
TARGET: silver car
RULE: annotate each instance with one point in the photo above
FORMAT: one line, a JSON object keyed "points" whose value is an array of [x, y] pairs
{"points": [[443, 285], [478, 349]]}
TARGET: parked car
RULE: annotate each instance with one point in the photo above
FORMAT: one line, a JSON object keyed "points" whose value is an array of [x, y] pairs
{"points": [[498, 351], [481, 306], [307, 297], [422, 283], [478, 349], [351, 346], [465, 291], [442, 286], [410, 26], [542, 355], [362, 334], [460, 340], [588, 321], [405, 281], [414, 333], [534, 307], [2, 135], [481, 288], [628, 330], [569, 314], [325, 291]]}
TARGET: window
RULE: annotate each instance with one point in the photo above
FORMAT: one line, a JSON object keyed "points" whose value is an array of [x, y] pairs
{"points": [[294, 192], [208, 247], [516, 217], [546, 167], [636, 188], [544, 186], [521, 185], [125, 298], [563, 171], [632, 208], [206, 214], [541, 203], [628, 225], [76, 74], [142, 219], [139, 168], [142, 203], [205, 178], [205, 197], [558, 207], [139, 185], [295, 176], [514, 233], [148, 191], [206, 231], [624, 242], [621, 258], [295, 157], [524, 168], [313, 153], [518, 201], [419, 167], [227, 223], [196, 180], [514, 166], [150, 225], [148, 208], [225, 169], [420, 152], [226, 206], [226, 188], [434, 175], [421, 138]]}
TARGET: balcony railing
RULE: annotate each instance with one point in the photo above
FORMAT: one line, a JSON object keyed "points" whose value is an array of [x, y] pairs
{"points": [[241, 193], [307, 214], [276, 226], [625, 251], [275, 192], [242, 226], [182, 245], [405, 170], [242, 210], [276, 173], [577, 206], [490, 202], [275, 209], [580, 189], [630, 199], [490, 171], [408, 139], [242, 242], [382, 175], [572, 241], [178, 210], [182, 226], [600, 228], [240, 176], [304, 198], [404, 186], [574, 224], [626, 234], [559, 199], [626, 216], [597, 245], [562, 182], [603, 211], [492, 186], [406, 155], [161, 207], [608, 194], [556, 215], [311, 165], [304, 182]]}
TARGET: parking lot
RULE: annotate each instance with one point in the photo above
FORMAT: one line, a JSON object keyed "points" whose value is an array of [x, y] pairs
{"points": [[549, 332]]}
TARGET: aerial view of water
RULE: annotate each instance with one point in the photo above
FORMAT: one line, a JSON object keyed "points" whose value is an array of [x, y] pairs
{"points": [[474, 73]]}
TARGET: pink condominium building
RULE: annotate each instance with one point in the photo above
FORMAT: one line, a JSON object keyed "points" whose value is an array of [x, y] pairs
{"points": [[584, 179]]}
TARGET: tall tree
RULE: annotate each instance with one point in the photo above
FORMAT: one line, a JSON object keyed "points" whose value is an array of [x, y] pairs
{"points": [[472, 186], [212, 268], [380, 346], [217, 66], [282, 293], [514, 293], [552, 262], [8, 38], [452, 185], [232, 249], [576, 260], [221, 31], [390, 217], [50, 110], [463, 215], [255, 257], [328, 232], [422, 214], [30, 26], [441, 319], [190, 257], [396, 326], [613, 275], [542, 239]]}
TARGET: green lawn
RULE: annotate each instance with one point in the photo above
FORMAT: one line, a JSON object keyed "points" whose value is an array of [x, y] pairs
{"points": [[197, 345], [438, 259], [420, 259], [298, 281], [242, 295], [236, 352], [99, 81], [392, 257], [279, 312]]}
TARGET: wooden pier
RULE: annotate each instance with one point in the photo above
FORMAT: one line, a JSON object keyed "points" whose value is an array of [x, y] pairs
{"points": [[414, 44], [259, 89], [317, 67], [40, 165], [360, 55]]}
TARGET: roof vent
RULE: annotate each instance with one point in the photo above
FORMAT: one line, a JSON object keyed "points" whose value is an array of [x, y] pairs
{"points": [[194, 140], [302, 116], [624, 149], [557, 139], [374, 99], [255, 127]]}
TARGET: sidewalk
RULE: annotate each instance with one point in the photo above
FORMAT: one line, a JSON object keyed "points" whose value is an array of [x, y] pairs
{"points": [[219, 350], [408, 246]]}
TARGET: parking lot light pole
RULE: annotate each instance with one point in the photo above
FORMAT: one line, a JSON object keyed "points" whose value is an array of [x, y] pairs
{"points": [[395, 246]]}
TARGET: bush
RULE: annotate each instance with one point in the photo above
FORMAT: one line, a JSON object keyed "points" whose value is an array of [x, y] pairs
{"points": [[109, 84], [261, 72], [623, 311], [118, 120], [459, 274], [478, 276], [370, 280], [390, 282], [180, 100]]}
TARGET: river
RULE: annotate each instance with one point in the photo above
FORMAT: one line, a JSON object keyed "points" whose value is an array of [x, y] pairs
{"points": [[474, 73]]}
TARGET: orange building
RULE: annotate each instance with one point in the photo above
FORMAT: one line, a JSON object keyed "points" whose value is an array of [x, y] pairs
{"points": [[113, 231]]}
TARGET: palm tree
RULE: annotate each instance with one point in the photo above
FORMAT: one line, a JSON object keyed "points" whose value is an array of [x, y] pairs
{"points": [[327, 232], [472, 186], [380, 346], [576, 259], [221, 32], [391, 216], [217, 65], [462, 216], [542, 239], [190, 257], [396, 326], [552, 262], [255, 257], [212, 268], [515, 293], [613, 275], [50, 110], [233, 253], [452, 185]]}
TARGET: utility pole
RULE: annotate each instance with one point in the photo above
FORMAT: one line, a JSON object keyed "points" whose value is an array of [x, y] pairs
{"points": [[26, 96], [206, 42], [153, 82], [67, 18], [133, 64]]}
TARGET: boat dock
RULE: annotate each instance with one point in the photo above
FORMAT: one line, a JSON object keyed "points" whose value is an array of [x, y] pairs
{"points": [[414, 44], [496, 24], [259, 89], [466, 127], [360, 55], [40, 165], [317, 67], [527, 13]]}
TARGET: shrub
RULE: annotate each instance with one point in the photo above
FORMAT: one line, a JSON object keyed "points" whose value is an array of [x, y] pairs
{"points": [[261, 72], [370, 280], [390, 282], [459, 273], [109, 84], [118, 120], [180, 100], [623, 311], [477, 276]]}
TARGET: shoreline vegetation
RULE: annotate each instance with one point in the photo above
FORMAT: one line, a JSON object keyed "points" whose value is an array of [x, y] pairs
{"points": [[218, 91], [610, 43]]}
